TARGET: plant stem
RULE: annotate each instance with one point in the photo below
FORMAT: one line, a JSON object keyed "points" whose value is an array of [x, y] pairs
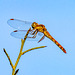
{"points": [[22, 44], [14, 71], [8, 58], [32, 49]]}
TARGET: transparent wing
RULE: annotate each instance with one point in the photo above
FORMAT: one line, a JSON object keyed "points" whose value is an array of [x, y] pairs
{"points": [[21, 34], [18, 24]]}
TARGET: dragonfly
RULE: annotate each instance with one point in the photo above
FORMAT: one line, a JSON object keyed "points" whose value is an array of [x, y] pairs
{"points": [[37, 31]]}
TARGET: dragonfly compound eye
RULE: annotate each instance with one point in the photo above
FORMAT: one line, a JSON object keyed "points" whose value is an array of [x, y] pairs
{"points": [[34, 24]]}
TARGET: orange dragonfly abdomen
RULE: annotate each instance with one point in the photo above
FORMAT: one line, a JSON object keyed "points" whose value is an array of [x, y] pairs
{"points": [[47, 34]]}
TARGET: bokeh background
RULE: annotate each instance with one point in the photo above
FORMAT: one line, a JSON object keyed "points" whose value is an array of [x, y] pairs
{"points": [[58, 16]]}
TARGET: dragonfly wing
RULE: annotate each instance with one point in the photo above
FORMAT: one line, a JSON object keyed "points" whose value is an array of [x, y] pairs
{"points": [[40, 34], [18, 34], [21, 34], [18, 24]]}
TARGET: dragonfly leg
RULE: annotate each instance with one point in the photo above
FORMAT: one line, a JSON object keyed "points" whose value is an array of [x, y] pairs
{"points": [[34, 34], [41, 38]]}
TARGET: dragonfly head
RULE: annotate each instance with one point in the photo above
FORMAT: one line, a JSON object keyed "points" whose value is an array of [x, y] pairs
{"points": [[34, 24]]}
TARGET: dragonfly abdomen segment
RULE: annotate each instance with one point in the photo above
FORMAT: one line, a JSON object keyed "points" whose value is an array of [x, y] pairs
{"points": [[46, 33]]}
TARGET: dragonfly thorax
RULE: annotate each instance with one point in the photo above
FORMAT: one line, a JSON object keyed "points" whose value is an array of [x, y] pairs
{"points": [[34, 24]]}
